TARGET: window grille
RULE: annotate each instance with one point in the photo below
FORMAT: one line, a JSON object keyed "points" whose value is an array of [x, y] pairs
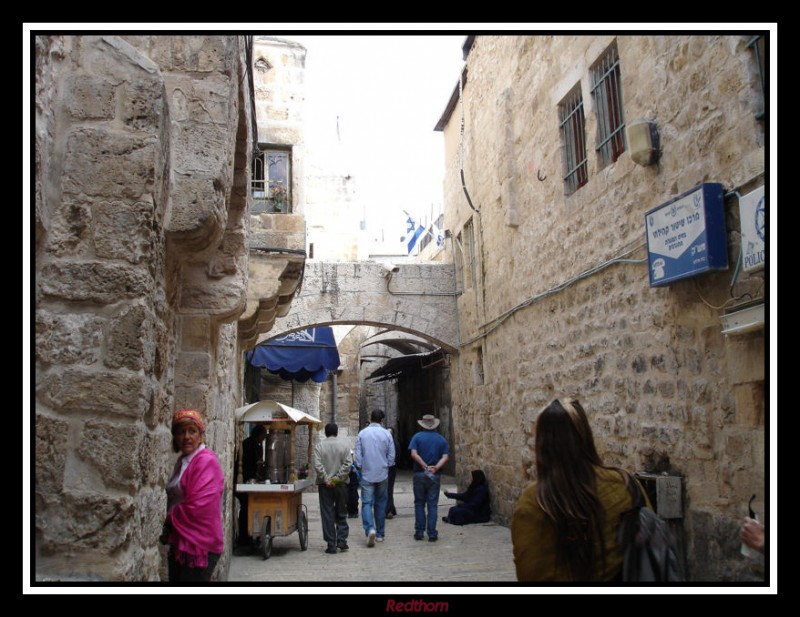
{"points": [[573, 133], [607, 93]]}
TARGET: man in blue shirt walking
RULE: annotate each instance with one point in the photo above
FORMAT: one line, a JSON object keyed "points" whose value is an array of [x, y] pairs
{"points": [[429, 451], [374, 455]]}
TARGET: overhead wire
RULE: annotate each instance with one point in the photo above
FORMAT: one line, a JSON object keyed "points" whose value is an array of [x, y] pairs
{"points": [[734, 278], [498, 321]]}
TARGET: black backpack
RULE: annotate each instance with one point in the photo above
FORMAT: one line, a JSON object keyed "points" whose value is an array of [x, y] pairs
{"points": [[649, 544]]}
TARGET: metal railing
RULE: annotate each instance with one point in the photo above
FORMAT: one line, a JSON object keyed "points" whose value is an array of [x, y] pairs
{"points": [[573, 128], [608, 102]]}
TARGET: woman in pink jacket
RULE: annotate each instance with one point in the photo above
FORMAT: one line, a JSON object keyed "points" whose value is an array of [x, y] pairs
{"points": [[193, 528]]}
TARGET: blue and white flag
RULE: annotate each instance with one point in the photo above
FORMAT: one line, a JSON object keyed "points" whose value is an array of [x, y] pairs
{"points": [[438, 235], [415, 230]]}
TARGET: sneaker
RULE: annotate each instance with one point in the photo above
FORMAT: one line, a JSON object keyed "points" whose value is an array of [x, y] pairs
{"points": [[419, 536], [371, 538], [390, 515], [331, 550], [379, 539], [343, 547], [433, 538], [445, 519]]}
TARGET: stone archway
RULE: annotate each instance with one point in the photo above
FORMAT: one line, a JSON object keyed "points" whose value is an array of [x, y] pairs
{"points": [[415, 298], [410, 309]]}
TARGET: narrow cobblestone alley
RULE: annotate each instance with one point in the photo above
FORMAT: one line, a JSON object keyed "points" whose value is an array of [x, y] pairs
{"points": [[463, 554]]}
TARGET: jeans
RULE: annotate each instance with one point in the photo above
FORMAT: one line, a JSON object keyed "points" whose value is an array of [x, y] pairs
{"points": [[333, 512], [426, 494], [373, 506]]}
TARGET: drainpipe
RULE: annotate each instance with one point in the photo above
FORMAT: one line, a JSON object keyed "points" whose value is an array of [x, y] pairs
{"points": [[453, 245], [333, 396]]}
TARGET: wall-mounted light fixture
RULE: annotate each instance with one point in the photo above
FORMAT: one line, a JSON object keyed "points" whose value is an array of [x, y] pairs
{"points": [[643, 142], [744, 318]]}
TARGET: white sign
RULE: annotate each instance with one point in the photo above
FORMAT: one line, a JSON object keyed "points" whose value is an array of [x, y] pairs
{"points": [[674, 230], [752, 212], [686, 235]]}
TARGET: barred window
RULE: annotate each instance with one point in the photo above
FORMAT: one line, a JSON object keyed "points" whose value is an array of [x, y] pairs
{"points": [[573, 134], [270, 180], [607, 94]]}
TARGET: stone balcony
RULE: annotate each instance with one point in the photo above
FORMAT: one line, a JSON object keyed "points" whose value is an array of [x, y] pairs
{"points": [[277, 256]]}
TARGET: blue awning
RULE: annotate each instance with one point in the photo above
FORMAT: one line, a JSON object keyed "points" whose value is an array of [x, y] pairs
{"points": [[300, 356]]}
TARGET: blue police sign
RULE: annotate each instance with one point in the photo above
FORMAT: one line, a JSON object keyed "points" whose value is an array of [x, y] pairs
{"points": [[686, 235]]}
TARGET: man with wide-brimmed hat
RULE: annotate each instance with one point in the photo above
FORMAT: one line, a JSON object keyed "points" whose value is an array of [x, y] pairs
{"points": [[429, 451]]}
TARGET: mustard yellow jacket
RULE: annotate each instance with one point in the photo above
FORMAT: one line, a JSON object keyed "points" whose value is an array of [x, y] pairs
{"points": [[533, 534]]}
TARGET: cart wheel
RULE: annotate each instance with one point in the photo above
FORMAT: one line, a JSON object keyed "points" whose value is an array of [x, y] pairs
{"points": [[266, 537], [302, 529]]}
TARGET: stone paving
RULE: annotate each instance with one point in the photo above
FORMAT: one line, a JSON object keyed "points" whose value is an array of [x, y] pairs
{"points": [[472, 553]]}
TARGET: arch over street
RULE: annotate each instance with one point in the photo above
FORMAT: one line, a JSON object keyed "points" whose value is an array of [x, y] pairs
{"points": [[415, 298]]}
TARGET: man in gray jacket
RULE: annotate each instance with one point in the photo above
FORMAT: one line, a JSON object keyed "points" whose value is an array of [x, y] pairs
{"points": [[332, 460]]}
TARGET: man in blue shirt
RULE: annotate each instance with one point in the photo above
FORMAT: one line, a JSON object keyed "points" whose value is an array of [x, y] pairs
{"points": [[429, 451], [374, 455]]}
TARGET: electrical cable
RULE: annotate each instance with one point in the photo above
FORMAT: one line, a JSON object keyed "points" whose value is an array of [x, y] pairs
{"points": [[498, 321], [461, 164]]}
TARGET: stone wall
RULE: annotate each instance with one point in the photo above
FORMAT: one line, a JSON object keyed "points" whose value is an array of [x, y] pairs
{"points": [[562, 303], [279, 73], [420, 299], [349, 386], [140, 275], [377, 394]]}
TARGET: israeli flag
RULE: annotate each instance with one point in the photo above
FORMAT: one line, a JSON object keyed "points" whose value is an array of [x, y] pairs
{"points": [[438, 235], [415, 230]]}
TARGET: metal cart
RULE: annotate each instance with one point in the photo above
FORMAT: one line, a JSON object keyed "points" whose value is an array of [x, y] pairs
{"points": [[275, 505]]}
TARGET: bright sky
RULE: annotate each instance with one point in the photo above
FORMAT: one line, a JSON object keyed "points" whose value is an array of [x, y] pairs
{"points": [[386, 93]]}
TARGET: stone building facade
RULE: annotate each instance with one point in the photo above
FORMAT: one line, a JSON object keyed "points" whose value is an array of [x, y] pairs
{"points": [[141, 210], [154, 274], [277, 228], [555, 298], [336, 290]]}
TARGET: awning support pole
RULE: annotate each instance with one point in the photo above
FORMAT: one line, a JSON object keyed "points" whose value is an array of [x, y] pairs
{"points": [[333, 396]]}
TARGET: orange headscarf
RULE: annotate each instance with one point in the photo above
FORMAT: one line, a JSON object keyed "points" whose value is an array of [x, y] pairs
{"points": [[189, 415]]}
